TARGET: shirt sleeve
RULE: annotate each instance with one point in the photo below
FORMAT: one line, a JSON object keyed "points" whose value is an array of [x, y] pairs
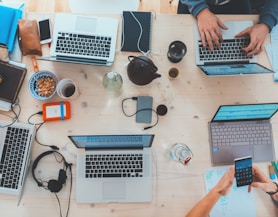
{"points": [[275, 202], [269, 13], [195, 6]]}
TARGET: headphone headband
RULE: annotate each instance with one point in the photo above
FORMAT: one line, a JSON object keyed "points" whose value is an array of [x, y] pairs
{"points": [[62, 173]]}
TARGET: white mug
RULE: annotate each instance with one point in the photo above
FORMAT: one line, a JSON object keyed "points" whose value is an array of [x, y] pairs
{"points": [[67, 89]]}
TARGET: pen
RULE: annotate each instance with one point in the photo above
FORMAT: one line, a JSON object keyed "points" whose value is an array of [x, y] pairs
{"points": [[35, 64], [271, 171], [275, 167]]}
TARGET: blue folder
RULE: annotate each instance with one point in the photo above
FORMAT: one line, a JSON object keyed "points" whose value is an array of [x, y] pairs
{"points": [[9, 18]]}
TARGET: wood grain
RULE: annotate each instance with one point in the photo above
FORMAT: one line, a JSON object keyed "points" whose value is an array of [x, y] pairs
{"points": [[157, 6]]}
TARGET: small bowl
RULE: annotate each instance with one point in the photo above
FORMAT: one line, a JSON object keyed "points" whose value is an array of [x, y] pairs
{"points": [[48, 82]]}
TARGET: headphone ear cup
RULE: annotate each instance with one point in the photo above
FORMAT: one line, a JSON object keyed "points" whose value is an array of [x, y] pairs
{"points": [[62, 177], [54, 186]]}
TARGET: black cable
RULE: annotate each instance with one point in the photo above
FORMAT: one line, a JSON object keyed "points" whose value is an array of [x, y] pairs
{"points": [[60, 209], [146, 109], [16, 115], [38, 126], [69, 165]]}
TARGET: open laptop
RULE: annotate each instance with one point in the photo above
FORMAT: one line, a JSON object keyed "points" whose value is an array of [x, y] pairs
{"points": [[113, 168], [15, 147], [83, 39], [241, 130], [229, 59]]}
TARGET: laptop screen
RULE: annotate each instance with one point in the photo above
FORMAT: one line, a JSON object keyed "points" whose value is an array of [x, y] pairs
{"points": [[112, 141], [245, 112], [234, 69]]}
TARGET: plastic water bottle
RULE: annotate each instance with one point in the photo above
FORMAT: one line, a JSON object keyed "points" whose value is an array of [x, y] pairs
{"points": [[113, 81]]}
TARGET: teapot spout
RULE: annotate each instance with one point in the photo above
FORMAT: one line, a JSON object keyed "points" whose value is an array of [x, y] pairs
{"points": [[156, 75]]}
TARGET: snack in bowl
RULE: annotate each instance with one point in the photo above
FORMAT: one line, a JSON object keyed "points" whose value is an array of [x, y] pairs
{"points": [[42, 85]]}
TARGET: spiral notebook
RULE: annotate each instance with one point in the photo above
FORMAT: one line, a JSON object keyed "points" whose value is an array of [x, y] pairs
{"points": [[136, 31]]}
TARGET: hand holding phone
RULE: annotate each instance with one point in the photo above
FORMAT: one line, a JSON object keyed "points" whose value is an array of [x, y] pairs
{"points": [[243, 171]]}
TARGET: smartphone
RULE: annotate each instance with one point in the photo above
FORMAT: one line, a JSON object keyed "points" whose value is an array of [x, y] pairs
{"points": [[44, 30], [144, 109], [243, 171]]}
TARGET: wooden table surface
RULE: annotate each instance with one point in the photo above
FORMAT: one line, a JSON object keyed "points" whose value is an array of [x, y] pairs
{"points": [[192, 99]]}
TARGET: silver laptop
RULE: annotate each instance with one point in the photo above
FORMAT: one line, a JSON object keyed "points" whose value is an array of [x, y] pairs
{"points": [[15, 148], [240, 130], [84, 39], [229, 59], [113, 168]]}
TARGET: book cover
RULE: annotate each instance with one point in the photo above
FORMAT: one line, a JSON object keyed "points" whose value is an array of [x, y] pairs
{"points": [[12, 79], [136, 32], [9, 18]]}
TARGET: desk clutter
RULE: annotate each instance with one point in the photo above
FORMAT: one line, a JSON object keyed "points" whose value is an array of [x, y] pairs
{"points": [[95, 156]]}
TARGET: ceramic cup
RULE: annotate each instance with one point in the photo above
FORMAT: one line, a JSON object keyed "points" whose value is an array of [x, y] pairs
{"points": [[67, 89], [173, 73], [176, 51]]}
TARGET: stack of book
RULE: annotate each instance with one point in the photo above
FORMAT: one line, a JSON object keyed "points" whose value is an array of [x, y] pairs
{"points": [[9, 18]]}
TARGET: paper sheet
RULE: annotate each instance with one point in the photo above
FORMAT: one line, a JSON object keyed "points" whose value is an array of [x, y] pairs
{"points": [[272, 51], [238, 202]]}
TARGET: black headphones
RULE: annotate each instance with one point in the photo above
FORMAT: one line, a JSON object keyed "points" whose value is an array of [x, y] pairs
{"points": [[52, 185]]}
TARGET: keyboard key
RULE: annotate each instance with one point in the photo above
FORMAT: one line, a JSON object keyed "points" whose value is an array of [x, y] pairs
{"points": [[118, 165]]}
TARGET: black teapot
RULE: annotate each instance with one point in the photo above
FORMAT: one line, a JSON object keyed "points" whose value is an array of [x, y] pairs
{"points": [[141, 70]]}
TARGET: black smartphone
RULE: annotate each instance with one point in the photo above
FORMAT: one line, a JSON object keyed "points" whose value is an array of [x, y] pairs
{"points": [[44, 30], [144, 109], [243, 171]]}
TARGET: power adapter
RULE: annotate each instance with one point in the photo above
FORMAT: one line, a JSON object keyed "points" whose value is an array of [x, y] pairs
{"points": [[56, 111]]}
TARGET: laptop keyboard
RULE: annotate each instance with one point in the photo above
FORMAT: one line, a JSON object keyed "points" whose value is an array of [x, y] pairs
{"points": [[12, 157], [84, 45], [231, 49], [114, 165], [249, 134]]}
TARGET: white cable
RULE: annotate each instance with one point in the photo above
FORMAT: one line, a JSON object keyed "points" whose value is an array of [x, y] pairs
{"points": [[139, 37]]}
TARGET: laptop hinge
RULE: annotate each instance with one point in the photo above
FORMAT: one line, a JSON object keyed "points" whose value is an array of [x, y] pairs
{"points": [[81, 60], [227, 62]]}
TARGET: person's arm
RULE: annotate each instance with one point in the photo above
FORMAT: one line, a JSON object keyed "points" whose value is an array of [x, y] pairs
{"points": [[195, 6], [269, 13], [264, 183], [209, 28], [258, 32], [208, 24], [204, 206]]}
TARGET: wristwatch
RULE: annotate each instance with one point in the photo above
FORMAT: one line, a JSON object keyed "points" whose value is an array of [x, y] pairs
{"points": [[273, 192]]}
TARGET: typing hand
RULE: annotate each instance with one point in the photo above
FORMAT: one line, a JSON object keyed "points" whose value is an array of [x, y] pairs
{"points": [[209, 27], [257, 34]]}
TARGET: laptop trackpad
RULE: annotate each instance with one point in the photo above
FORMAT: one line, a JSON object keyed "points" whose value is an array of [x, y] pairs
{"points": [[85, 24], [242, 151], [113, 190]]}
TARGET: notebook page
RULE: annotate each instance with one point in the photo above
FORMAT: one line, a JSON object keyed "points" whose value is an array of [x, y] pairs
{"points": [[238, 202]]}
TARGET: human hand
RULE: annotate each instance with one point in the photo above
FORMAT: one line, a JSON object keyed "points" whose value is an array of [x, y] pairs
{"points": [[260, 180], [257, 34], [209, 27], [225, 183]]}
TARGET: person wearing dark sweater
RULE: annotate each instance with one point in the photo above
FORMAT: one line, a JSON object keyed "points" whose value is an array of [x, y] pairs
{"points": [[222, 188], [209, 24]]}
